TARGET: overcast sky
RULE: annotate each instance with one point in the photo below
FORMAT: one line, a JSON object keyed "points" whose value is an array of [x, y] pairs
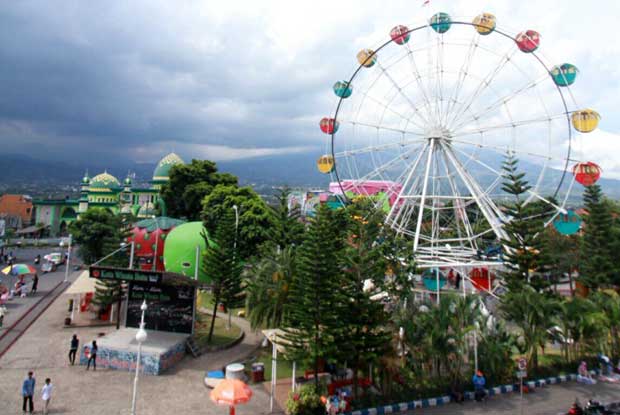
{"points": [[232, 79]]}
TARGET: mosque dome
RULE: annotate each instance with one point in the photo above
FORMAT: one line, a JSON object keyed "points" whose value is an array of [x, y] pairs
{"points": [[162, 171], [104, 181], [85, 179], [127, 181]]}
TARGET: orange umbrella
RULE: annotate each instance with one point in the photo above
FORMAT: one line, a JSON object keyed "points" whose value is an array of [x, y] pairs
{"points": [[231, 392]]}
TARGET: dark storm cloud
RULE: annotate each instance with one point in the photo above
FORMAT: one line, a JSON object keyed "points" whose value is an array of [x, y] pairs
{"points": [[106, 77]]}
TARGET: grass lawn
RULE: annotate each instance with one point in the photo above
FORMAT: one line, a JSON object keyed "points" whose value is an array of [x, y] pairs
{"points": [[221, 335], [205, 300], [285, 368]]}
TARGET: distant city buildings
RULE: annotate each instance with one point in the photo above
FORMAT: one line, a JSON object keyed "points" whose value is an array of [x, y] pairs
{"points": [[105, 191]]}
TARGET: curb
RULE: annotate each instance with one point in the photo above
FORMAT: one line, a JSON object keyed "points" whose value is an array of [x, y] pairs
{"points": [[432, 402]]}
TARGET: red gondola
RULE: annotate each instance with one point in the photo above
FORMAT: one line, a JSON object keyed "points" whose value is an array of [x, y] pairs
{"points": [[329, 125], [528, 41], [587, 173], [481, 279]]}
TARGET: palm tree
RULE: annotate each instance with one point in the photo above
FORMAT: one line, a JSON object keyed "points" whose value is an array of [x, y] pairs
{"points": [[496, 347], [268, 282], [533, 312]]}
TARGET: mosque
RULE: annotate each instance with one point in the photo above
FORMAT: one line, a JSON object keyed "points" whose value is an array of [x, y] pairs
{"points": [[105, 191]]}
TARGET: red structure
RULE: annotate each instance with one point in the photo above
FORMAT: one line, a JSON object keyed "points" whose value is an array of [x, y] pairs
{"points": [[481, 279], [587, 173], [149, 236]]}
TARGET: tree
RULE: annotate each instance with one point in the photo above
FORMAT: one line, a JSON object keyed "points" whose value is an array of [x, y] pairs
{"points": [[255, 219], [99, 232], [597, 259], [287, 228], [562, 254], [221, 263], [188, 186], [523, 246], [533, 312], [363, 337], [496, 347], [312, 319], [268, 287]]}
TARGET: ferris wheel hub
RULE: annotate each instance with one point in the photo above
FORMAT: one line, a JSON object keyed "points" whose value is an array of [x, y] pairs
{"points": [[438, 133]]}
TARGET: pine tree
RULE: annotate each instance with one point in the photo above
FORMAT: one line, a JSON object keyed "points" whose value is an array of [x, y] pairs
{"points": [[523, 247], [287, 228], [313, 321], [221, 263], [363, 336], [597, 264]]}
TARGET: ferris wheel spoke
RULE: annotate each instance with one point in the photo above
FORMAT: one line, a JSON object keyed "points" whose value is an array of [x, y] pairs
{"points": [[378, 147], [413, 106], [483, 85], [532, 193], [512, 124], [386, 128], [380, 169], [390, 109], [418, 79], [427, 171], [498, 103], [462, 75], [502, 150]]}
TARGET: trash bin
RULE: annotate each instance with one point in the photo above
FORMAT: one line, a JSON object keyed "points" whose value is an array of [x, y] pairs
{"points": [[258, 372]]}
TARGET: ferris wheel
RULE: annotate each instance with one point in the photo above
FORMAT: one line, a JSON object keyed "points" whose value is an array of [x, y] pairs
{"points": [[426, 119]]}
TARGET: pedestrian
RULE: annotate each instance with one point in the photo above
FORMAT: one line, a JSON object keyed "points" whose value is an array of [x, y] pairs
{"points": [[37, 259], [479, 381], [46, 395], [75, 343], [28, 392], [35, 283], [93, 356]]}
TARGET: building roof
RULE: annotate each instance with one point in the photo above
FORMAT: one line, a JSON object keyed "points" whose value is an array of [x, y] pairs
{"points": [[162, 171], [105, 181], [16, 205]]}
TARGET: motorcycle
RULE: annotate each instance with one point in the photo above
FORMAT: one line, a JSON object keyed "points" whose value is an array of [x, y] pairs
{"points": [[594, 407]]}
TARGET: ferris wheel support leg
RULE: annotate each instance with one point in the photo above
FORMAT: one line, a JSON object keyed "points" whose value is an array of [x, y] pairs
{"points": [[488, 208], [418, 226], [405, 184]]}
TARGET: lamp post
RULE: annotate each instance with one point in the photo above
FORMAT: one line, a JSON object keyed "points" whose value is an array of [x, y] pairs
{"points": [[140, 338], [68, 256]]}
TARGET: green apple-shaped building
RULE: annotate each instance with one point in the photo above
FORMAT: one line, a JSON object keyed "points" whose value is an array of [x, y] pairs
{"points": [[180, 250]]}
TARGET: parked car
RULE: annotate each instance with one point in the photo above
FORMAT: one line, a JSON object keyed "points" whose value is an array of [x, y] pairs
{"points": [[56, 257], [48, 266]]}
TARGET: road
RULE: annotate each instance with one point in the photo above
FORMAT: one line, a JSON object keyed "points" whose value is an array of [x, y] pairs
{"points": [[23, 311]]}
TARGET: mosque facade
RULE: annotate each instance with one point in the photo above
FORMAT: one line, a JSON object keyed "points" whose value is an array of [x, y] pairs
{"points": [[107, 192]]}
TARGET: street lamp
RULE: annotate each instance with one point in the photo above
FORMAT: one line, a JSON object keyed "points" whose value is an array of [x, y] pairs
{"points": [[140, 338], [62, 243]]}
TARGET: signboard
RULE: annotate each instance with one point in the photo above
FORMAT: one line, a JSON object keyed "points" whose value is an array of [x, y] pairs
{"points": [[170, 308], [522, 363], [2, 228], [121, 274], [521, 374]]}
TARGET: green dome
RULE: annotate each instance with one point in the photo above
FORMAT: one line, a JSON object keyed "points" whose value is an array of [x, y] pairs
{"points": [[180, 250], [85, 179], [104, 181], [127, 181], [162, 171]]}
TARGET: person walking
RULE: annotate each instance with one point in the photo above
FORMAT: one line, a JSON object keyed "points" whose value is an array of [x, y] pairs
{"points": [[93, 356], [46, 395], [35, 283], [75, 344], [28, 392]]}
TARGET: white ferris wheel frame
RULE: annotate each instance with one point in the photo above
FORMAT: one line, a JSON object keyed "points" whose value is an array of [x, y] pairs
{"points": [[436, 147]]}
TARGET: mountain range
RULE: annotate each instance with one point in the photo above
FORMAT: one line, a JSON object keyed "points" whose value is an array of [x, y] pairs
{"points": [[294, 170]]}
